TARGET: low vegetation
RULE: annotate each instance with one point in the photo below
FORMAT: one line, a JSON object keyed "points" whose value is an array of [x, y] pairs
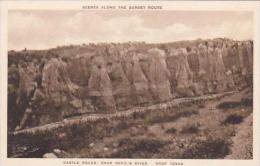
{"points": [[186, 131]]}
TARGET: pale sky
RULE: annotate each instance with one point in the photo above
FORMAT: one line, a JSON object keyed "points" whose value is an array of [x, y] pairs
{"points": [[48, 29]]}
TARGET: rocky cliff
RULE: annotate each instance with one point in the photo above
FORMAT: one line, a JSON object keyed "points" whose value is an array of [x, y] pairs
{"points": [[67, 81]]}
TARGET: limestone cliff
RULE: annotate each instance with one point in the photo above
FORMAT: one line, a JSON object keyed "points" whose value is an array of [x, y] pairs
{"points": [[74, 80]]}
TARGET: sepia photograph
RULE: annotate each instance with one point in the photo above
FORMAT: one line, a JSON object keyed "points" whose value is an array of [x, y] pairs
{"points": [[130, 83]]}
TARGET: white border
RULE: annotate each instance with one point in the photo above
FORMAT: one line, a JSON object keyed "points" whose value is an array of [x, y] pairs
{"points": [[167, 5]]}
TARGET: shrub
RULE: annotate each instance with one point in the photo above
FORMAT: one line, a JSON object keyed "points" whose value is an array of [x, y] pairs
{"points": [[171, 131], [141, 147], [247, 101], [211, 148], [228, 105], [244, 102], [172, 117], [190, 129], [233, 119]]}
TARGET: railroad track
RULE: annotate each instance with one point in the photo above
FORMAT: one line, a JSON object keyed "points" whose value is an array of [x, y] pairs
{"points": [[94, 117]]}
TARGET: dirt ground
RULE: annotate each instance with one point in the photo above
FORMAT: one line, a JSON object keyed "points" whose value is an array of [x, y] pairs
{"points": [[220, 128]]}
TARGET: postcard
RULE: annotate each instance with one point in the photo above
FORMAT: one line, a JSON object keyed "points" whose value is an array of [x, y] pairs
{"points": [[129, 83]]}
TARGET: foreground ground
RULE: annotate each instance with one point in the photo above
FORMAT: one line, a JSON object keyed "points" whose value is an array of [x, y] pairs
{"points": [[217, 128]]}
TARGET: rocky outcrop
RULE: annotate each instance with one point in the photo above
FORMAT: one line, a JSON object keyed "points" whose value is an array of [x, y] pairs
{"points": [[79, 69], [140, 83], [121, 87], [194, 60], [115, 77], [53, 81], [219, 70], [182, 72], [49, 155], [204, 74], [100, 87], [159, 76]]}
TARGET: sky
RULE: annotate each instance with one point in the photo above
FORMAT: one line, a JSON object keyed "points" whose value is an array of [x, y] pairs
{"points": [[34, 29]]}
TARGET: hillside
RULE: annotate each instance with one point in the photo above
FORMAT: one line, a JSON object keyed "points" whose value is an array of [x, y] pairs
{"points": [[48, 86]]}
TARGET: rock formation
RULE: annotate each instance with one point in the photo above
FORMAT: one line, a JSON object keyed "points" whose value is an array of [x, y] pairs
{"points": [[159, 75], [194, 61], [121, 86], [63, 82], [183, 73], [219, 70], [140, 83], [100, 87]]}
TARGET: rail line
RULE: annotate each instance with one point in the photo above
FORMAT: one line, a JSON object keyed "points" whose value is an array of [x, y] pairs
{"points": [[94, 117]]}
